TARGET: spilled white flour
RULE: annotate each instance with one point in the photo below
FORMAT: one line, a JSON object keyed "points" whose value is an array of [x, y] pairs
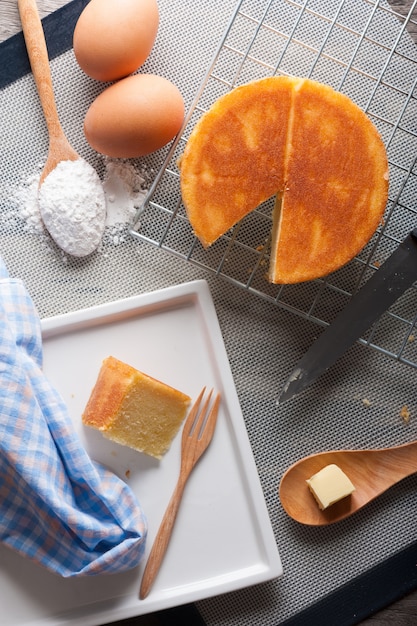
{"points": [[26, 199], [124, 188], [73, 207]]}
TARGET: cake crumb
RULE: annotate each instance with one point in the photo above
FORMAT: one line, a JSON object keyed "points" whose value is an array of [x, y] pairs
{"points": [[405, 414], [366, 402]]}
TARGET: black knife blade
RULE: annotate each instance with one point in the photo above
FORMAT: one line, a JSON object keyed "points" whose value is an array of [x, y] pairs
{"points": [[387, 284]]}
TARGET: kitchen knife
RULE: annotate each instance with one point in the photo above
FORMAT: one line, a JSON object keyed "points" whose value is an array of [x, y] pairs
{"points": [[397, 274]]}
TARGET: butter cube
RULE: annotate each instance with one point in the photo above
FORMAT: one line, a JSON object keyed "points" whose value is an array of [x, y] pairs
{"points": [[330, 485]]}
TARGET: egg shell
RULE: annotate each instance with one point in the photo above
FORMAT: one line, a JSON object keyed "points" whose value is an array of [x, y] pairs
{"points": [[134, 116], [113, 38]]}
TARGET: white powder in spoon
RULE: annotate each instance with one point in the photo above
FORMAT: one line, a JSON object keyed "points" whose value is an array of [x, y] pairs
{"points": [[73, 207], [124, 183]]}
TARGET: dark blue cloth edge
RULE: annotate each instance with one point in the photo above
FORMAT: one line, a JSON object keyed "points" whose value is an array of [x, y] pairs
{"points": [[365, 595], [58, 28]]}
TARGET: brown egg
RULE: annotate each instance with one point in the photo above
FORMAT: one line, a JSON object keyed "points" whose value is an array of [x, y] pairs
{"points": [[134, 116], [112, 38]]}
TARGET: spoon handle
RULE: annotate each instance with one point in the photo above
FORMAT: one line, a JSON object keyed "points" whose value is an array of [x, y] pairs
{"points": [[39, 62], [398, 462]]}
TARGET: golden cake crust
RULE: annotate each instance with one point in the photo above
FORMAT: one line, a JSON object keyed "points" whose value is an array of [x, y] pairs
{"points": [[113, 382], [303, 141]]}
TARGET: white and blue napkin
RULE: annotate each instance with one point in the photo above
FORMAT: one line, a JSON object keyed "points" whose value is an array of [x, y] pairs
{"points": [[57, 507]]}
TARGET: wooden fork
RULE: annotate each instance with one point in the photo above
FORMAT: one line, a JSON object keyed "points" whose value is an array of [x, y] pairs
{"points": [[196, 435]]}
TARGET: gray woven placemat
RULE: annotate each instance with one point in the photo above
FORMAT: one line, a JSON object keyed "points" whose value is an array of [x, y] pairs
{"points": [[357, 404]]}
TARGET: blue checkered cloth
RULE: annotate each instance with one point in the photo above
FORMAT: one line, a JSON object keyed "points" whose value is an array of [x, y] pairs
{"points": [[57, 507]]}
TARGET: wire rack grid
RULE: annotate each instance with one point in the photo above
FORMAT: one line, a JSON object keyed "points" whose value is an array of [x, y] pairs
{"points": [[362, 48]]}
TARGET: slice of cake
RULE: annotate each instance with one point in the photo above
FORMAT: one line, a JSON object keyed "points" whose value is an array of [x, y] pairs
{"points": [[134, 409], [303, 142]]}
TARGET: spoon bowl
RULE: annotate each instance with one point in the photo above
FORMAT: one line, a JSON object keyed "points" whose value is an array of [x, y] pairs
{"points": [[371, 471]]}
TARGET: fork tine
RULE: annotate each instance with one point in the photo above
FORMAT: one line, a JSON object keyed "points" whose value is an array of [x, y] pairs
{"points": [[210, 424], [198, 444], [199, 422], [191, 416]]}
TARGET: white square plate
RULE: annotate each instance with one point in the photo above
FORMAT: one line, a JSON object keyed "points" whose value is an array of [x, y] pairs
{"points": [[222, 539]]}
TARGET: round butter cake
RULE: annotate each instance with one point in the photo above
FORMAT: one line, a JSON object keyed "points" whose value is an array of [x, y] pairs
{"points": [[303, 142]]}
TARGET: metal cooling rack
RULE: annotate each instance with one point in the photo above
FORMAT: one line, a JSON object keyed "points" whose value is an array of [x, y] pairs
{"points": [[360, 47]]}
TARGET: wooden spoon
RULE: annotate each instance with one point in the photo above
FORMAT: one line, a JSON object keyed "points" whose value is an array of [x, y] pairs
{"points": [[75, 217], [59, 146], [371, 471]]}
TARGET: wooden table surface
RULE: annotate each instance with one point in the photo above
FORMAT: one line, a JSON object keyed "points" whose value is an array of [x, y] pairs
{"points": [[401, 613], [404, 611]]}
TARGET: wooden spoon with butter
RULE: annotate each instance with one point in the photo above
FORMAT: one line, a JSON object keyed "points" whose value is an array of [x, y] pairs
{"points": [[371, 471]]}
